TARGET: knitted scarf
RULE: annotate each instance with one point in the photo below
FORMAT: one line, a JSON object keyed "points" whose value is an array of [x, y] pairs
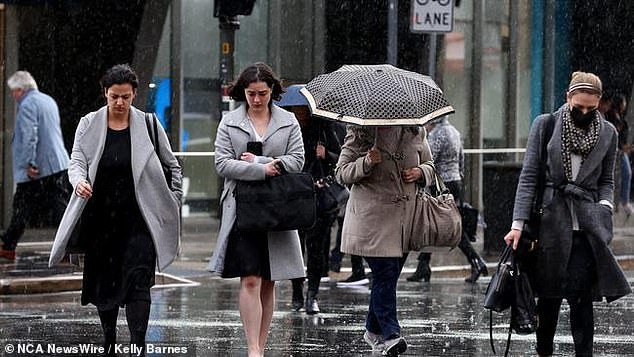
{"points": [[576, 140]]}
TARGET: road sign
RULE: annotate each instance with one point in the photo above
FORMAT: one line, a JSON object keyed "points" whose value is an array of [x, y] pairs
{"points": [[432, 16]]}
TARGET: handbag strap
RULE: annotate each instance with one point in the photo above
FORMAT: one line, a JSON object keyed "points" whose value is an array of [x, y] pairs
{"points": [[543, 159], [153, 134]]}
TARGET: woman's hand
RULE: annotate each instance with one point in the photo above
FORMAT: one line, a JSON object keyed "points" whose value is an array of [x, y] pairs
{"points": [[271, 169], [374, 156], [513, 237], [320, 151], [411, 175], [247, 156], [84, 190]]}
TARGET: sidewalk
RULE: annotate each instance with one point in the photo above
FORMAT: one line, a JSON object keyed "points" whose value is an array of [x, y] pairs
{"points": [[29, 273]]}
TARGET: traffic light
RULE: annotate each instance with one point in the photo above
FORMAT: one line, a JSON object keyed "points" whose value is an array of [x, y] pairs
{"points": [[232, 8]]}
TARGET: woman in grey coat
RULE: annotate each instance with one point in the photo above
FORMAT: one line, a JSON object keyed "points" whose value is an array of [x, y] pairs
{"points": [[129, 212], [573, 260], [258, 258]]}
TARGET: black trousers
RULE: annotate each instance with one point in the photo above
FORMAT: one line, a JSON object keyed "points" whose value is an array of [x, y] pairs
{"points": [[45, 199], [317, 241], [336, 256], [581, 273]]}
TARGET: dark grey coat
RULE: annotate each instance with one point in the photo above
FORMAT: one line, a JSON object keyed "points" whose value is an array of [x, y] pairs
{"points": [[596, 179]]}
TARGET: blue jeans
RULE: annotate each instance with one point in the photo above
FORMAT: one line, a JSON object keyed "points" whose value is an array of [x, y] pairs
{"points": [[382, 318], [626, 177]]}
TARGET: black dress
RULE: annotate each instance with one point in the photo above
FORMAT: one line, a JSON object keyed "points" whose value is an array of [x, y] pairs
{"points": [[120, 258], [247, 254]]}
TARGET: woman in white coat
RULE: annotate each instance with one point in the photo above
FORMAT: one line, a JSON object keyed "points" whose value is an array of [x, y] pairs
{"points": [[258, 258], [129, 212]]}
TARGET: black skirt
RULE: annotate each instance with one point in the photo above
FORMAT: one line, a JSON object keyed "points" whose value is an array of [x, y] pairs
{"points": [[247, 255]]}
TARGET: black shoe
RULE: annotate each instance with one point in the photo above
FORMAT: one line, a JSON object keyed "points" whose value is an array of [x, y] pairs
{"points": [[311, 304], [335, 267], [354, 280], [423, 272], [478, 267]]}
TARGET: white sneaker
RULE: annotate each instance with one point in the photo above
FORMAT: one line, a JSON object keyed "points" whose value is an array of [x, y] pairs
{"points": [[353, 281], [373, 340], [324, 279], [394, 347]]}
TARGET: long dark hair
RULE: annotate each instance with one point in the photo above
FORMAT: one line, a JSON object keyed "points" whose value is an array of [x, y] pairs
{"points": [[257, 72]]}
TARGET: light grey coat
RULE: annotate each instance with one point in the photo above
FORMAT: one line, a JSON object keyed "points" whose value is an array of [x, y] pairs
{"points": [[596, 180], [158, 204], [283, 140]]}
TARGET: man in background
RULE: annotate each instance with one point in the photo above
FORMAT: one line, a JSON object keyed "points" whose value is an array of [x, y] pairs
{"points": [[40, 161]]}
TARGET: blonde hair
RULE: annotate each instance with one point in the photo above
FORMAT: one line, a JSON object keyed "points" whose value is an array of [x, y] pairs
{"points": [[585, 82]]}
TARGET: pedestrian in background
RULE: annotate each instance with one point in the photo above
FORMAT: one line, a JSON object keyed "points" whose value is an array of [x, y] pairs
{"points": [[572, 258], [129, 215], [258, 258], [616, 115], [383, 167], [358, 276], [322, 146], [40, 161], [446, 148]]}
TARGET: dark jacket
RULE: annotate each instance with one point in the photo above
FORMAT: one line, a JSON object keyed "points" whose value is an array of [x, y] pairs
{"points": [[594, 182], [330, 135]]}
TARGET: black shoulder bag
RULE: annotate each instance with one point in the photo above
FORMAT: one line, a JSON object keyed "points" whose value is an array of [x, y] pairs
{"points": [[278, 203], [167, 172]]}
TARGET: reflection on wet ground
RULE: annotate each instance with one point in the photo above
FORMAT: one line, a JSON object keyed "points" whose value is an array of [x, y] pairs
{"points": [[441, 318]]}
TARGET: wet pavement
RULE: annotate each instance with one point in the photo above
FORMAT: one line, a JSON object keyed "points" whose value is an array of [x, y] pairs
{"points": [[193, 311]]}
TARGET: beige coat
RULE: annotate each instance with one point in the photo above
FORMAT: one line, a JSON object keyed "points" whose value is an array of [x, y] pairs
{"points": [[158, 204], [379, 213]]}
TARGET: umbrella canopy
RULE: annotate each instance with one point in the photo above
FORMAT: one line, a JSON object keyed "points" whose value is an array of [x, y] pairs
{"points": [[292, 97], [376, 95]]}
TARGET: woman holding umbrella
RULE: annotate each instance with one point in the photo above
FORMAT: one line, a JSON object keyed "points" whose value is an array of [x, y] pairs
{"points": [[383, 166], [383, 158]]}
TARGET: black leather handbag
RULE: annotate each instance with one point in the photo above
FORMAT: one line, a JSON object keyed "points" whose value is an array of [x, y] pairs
{"points": [[278, 203], [330, 194], [510, 287], [498, 296]]}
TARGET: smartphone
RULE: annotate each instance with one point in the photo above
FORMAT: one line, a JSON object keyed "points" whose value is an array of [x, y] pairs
{"points": [[255, 147]]}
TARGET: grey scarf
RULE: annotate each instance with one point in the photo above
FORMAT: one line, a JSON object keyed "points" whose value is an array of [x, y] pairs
{"points": [[576, 140]]}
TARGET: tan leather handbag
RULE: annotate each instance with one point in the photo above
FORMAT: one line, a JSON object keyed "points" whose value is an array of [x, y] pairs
{"points": [[437, 221]]}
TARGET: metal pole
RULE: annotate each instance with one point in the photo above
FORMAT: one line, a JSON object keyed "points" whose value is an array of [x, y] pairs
{"points": [[431, 60], [228, 27], [392, 32], [176, 73], [549, 57]]}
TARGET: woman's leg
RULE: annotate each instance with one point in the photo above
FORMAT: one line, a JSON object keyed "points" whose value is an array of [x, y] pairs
{"points": [[626, 178], [267, 296], [138, 314], [548, 314], [108, 320], [251, 311], [582, 324], [383, 314]]}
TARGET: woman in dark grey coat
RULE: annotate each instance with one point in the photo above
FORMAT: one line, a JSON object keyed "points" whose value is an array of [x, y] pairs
{"points": [[573, 257]]}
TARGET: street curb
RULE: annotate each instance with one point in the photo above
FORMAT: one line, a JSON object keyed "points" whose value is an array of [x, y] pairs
{"points": [[62, 283]]}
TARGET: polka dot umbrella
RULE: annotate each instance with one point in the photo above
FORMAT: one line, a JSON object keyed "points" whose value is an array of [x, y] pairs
{"points": [[376, 95]]}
